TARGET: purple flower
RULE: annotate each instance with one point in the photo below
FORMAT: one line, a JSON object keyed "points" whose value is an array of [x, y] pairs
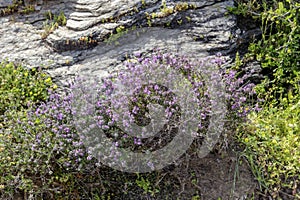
{"points": [[105, 127], [66, 129], [147, 91], [243, 99], [151, 165], [89, 157], [137, 141], [138, 54]]}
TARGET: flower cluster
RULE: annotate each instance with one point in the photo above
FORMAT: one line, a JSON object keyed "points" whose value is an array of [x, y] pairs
{"points": [[241, 95], [56, 114], [156, 94], [124, 98]]}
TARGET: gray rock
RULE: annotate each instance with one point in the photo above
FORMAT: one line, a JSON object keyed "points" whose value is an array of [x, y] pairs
{"points": [[5, 3], [86, 46], [91, 12]]}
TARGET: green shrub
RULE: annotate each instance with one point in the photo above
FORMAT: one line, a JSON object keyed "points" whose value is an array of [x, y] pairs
{"points": [[272, 139], [33, 157], [279, 50], [20, 86], [272, 136], [39, 149], [21, 89]]}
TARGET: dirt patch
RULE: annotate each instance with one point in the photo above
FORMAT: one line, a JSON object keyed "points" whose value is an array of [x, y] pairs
{"points": [[216, 176]]}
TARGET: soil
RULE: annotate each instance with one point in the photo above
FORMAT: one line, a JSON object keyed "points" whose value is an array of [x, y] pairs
{"points": [[223, 176], [217, 176]]}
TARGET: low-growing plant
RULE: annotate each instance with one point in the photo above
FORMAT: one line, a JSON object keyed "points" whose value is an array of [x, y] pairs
{"points": [[168, 10], [271, 137], [238, 89], [27, 9], [272, 141], [182, 6], [53, 22], [12, 8], [20, 86], [41, 151], [146, 185], [41, 147], [17, 7], [120, 31], [278, 50]]}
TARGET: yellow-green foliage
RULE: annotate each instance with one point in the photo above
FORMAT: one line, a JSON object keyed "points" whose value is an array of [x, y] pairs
{"points": [[53, 22], [17, 7], [11, 8], [19, 86], [278, 50], [28, 9], [181, 6], [168, 10], [272, 139], [120, 31]]}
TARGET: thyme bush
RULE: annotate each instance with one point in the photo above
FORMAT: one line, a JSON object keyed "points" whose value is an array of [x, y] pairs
{"points": [[41, 153]]}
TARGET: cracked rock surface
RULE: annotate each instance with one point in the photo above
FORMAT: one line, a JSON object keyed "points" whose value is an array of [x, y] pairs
{"points": [[84, 45]]}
